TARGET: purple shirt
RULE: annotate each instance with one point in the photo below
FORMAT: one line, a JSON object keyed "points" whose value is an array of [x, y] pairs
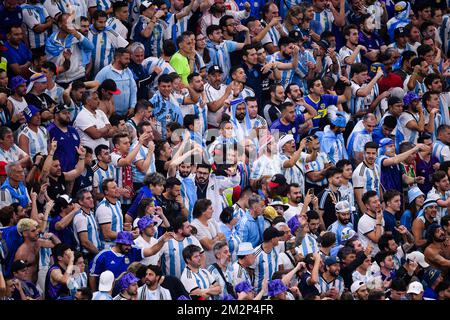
{"points": [[425, 169], [291, 128]]}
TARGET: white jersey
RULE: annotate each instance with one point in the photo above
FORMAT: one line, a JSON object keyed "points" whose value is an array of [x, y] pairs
{"points": [[208, 232], [213, 94], [34, 15], [366, 178], [345, 52], [172, 262], [12, 155], [240, 274], [18, 106], [142, 243], [101, 174], [118, 26], [366, 225], [37, 141], [265, 166], [203, 279], [138, 176], [442, 211], [83, 222]]}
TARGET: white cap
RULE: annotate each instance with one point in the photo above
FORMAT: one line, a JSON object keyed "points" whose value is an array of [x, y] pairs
{"points": [[357, 285], [415, 287], [245, 248], [283, 140], [347, 233], [342, 206], [106, 281], [418, 257]]}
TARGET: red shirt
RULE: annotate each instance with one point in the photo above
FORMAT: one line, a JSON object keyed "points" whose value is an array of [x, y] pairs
{"points": [[391, 81]]}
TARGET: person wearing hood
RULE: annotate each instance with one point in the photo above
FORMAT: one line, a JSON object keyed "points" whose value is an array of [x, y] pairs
{"points": [[332, 142], [240, 119], [401, 18]]}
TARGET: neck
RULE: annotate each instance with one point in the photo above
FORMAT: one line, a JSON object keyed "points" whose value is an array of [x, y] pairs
{"points": [[253, 214], [14, 183], [327, 276], [226, 36], [62, 34], [90, 108], [153, 286], [179, 237], [368, 164], [33, 127], [168, 196], [145, 237], [267, 246], [314, 96], [333, 187], [370, 213], [117, 66], [126, 295], [16, 96], [193, 269], [203, 219], [111, 199], [326, 250], [284, 121], [350, 45], [291, 203], [385, 271], [102, 165], [344, 181], [86, 209], [390, 210]]}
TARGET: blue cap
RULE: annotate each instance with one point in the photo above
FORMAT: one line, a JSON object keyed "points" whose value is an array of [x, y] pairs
{"points": [[339, 121], [410, 97], [413, 193], [125, 237], [331, 260], [144, 222], [431, 275], [17, 81], [243, 286], [126, 280], [386, 142], [276, 287], [30, 111]]}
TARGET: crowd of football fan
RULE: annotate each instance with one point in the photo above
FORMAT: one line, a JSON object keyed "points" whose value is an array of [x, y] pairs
{"points": [[224, 150]]}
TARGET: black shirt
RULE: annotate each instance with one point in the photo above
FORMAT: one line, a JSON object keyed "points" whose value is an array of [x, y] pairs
{"points": [[201, 190], [42, 102], [259, 82], [328, 206], [159, 164], [271, 113], [175, 287], [171, 208], [56, 187]]}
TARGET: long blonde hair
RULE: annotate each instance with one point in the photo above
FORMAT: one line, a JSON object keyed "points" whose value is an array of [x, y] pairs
{"points": [[293, 12]]}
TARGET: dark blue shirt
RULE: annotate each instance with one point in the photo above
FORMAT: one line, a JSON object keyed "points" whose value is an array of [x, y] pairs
{"points": [[66, 235], [114, 262], [11, 240], [20, 55], [291, 128], [67, 143], [389, 223], [9, 19], [321, 106], [258, 81]]}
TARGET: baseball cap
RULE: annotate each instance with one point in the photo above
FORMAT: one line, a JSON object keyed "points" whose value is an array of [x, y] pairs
{"points": [[64, 200], [331, 260], [413, 193], [124, 237], [324, 44], [126, 280], [145, 5], [245, 248], [279, 203], [243, 286], [3, 168], [393, 100], [415, 287], [110, 86], [400, 32], [295, 35], [410, 97], [418, 257], [62, 107], [214, 69], [30, 111], [144, 222], [386, 142], [342, 206], [19, 265], [106, 281], [347, 234], [340, 120], [283, 140], [356, 286], [277, 180], [37, 77], [17, 81], [431, 275], [271, 233]]}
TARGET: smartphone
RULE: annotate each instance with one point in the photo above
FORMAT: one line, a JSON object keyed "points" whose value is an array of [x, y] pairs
{"points": [[311, 191]]}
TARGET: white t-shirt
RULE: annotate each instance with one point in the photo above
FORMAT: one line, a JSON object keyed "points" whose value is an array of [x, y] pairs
{"points": [[142, 243], [86, 119], [366, 225], [292, 211], [212, 95], [207, 232]]}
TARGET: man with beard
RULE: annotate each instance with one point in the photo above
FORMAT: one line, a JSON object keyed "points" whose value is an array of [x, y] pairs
{"points": [[125, 95], [329, 197], [119, 22], [121, 255], [290, 122], [371, 224], [211, 186], [437, 252], [142, 111], [240, 119], [230, 27], [105, 41], [217, 11], [128, 287], [57, 178], [239, 77], [343, 215], [172, 261], [333, 140], [199, 108], [188, 190], [70, 49], [434, 83], [271, 109], [146, 238], [351, 52], [370, 39], [222, 269], [295, 197], [65, 135], [171, 200], [152, 289], [411, 121], [310, 235], [441, 193], [37, 97], [330, 282], [415, 81], [422, 222]]}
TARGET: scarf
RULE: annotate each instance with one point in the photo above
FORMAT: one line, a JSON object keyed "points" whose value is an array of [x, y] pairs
{"points": [[54, 48], [243, 129], [22, 198], [127, 175]]}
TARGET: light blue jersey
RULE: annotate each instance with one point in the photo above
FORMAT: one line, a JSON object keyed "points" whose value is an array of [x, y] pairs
{"points": [[37, 141]]}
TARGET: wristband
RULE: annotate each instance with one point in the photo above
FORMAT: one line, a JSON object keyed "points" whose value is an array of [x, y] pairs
{"points": [[81, 159]]}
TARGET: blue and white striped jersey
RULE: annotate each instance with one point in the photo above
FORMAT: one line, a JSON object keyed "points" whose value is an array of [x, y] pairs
{"points": [[101, 174], [228, 273], [37, 141], [316, 165], [34, 15], [138, 176], [220, 55], [419, 89], [266, 264], [441, 151], [85, 222], [309, 244], [117, 26], [240, 274], [172, 262], [109, 213], [337, 283], [345, 52], [325, 18], [101, 5], [337, 227], [265, 166], [366, 178], [203, 279]]}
